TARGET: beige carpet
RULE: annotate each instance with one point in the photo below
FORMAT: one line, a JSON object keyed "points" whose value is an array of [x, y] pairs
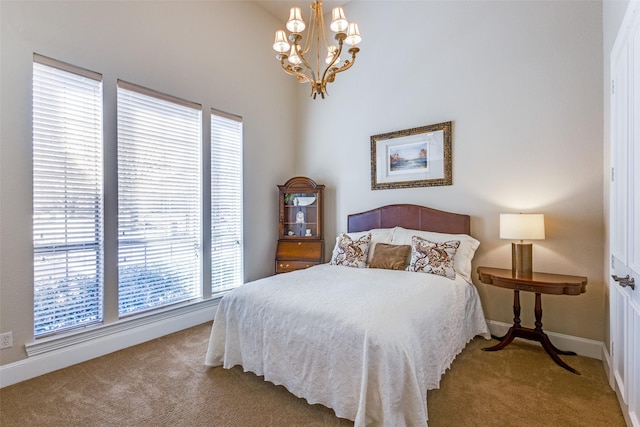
{"points": [[165, 383]]}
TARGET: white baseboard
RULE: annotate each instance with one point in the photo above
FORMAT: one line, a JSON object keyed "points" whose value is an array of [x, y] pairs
{"points": [[106, 340], [606, 364], [582, 346]]}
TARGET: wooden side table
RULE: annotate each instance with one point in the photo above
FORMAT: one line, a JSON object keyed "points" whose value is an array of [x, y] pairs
{"points": [[539, 283]]}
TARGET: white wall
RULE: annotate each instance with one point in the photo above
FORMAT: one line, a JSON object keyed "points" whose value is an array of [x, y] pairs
{"points": [[522, 83], [217, 54]]}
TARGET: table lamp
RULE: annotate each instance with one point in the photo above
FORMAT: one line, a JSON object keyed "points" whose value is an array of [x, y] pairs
{"points": [[522, 227]]}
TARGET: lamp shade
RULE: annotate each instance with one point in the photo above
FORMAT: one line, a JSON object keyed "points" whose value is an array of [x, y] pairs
{"points": [[339, 22], [522, 226], [353, 34], [280, 44], [295, 24]]}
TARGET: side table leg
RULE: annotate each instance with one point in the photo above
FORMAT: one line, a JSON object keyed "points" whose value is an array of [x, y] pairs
{"points": [[563, 352], [516, 318], [538, 312], [506, 339], [551, 350], [516, 308]]}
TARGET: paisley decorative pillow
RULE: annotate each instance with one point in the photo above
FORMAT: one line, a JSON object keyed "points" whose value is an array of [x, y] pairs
{"points": [[464, 254], [433, 258], [349, 252]]}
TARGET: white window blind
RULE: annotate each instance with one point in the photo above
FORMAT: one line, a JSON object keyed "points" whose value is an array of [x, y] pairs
{"points": [[67, 196], [226, 201], [159, 199]]}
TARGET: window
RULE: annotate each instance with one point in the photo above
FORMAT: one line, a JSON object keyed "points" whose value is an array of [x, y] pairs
{"points": [[67, 196], [159, 206], [226, 201]]}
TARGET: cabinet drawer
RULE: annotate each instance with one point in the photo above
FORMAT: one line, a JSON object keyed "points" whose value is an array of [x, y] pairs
{"points": [[299, 250], [284, 266]]}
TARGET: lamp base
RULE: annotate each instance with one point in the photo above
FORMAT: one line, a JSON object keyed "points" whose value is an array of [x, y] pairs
{"points": [[521, 259]]}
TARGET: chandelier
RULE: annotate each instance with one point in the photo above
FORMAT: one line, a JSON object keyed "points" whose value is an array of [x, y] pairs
{"points": [[297, 60]]}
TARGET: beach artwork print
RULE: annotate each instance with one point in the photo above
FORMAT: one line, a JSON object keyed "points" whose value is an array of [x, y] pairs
{"points": [[409, 158]]}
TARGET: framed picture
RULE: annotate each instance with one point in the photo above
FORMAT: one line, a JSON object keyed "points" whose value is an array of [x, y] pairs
{"points": [[418, 157]]}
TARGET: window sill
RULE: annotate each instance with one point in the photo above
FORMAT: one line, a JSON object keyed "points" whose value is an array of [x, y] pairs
{"points": [[95, 333]]}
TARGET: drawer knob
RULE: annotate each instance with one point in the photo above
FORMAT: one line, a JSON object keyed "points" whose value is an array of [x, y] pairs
{"points": [[299, 243]]}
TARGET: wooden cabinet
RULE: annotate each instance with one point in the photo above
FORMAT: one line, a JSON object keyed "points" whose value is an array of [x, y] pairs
{"points": [[296, 255], [300, 241]]}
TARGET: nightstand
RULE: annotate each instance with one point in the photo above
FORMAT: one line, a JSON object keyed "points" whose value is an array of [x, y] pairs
{"points": [[539, 283]]}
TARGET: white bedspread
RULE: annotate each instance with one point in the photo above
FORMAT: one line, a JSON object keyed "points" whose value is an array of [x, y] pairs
{"points": [[367, 343]]}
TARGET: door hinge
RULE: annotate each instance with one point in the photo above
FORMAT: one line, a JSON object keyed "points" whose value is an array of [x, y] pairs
{"points": [[613, 262], [613, 87], [612, 174]]}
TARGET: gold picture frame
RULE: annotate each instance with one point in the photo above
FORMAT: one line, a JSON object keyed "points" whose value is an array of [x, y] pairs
{"points": [[417, 157]]}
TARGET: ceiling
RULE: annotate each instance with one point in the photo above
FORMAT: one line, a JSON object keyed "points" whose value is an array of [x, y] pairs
{"points": [[280, 8]]}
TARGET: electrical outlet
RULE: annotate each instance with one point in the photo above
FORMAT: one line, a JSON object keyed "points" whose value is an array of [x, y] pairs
{"points": [[6, 340]]}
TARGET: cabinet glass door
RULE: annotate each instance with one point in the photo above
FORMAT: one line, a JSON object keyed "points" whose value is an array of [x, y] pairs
{"points": [[300, 214]]}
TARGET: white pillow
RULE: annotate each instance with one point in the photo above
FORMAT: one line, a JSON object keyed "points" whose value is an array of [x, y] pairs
{"points": [[464, 254], [378, 235]]}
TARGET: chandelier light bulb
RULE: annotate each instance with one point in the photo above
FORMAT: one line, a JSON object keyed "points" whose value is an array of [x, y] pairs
{"points": [[294, 59], [353, 35], [331, 52], [295, 24], [339, 22], [281, 45]]}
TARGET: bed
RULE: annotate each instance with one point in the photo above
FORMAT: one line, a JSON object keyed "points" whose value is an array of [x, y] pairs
{"points": [[361, 334]]}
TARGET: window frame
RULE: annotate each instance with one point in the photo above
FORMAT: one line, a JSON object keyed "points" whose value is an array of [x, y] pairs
{"points": [[160, 144], [110, 321], [68, 221]]}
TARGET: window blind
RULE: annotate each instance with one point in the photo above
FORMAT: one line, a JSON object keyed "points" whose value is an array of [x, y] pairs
{"points": [[159, 199], [226, 201], [67, 196]]}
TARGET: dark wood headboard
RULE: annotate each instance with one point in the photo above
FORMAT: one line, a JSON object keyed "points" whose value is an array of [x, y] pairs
{"points": [[410, 216]]}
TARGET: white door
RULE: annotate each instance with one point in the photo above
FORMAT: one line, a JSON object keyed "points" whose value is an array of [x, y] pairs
{"points": [[625, 214]]}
